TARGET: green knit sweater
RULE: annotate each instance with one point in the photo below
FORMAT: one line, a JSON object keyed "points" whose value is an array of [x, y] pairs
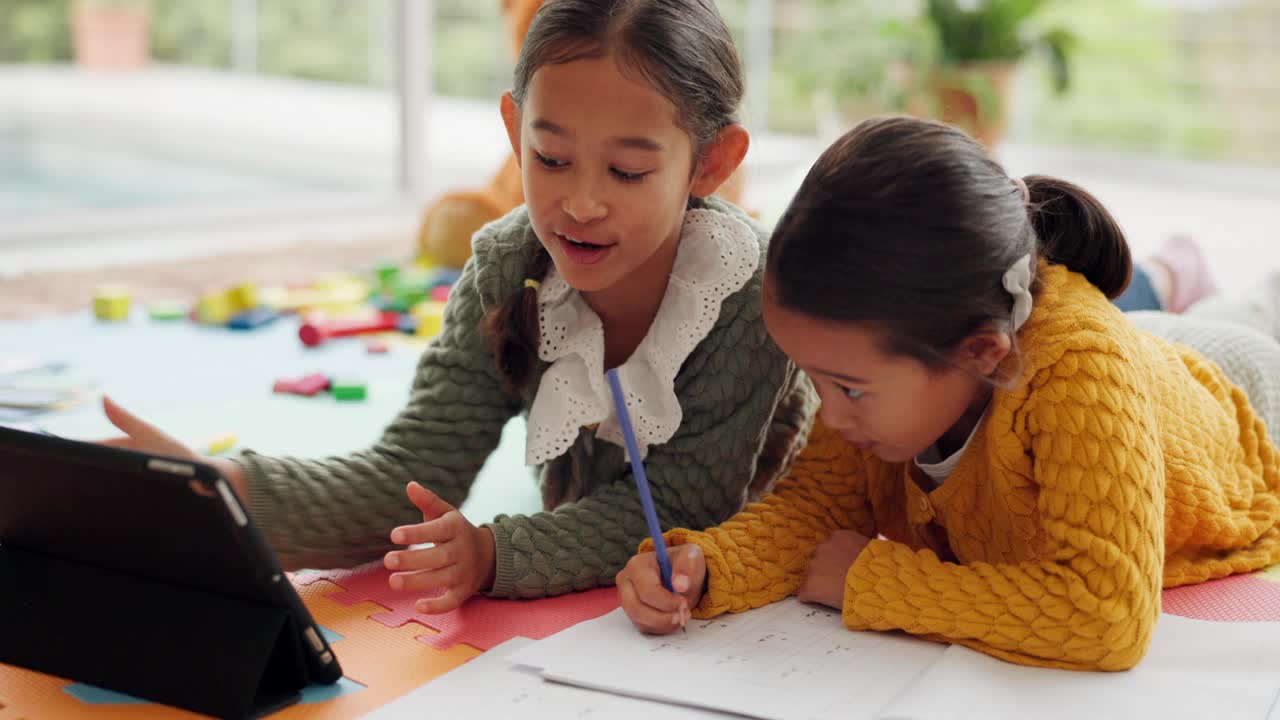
{"points": [[746, 410]]}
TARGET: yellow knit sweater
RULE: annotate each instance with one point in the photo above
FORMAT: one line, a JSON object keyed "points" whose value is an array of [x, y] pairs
{"points": [[1120, 464]]}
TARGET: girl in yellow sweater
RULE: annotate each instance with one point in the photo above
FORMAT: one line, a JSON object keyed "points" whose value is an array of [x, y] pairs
{"points": [[1002, 460]]}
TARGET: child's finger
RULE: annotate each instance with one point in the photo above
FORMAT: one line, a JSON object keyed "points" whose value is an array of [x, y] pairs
{"points": [[428, 502], [450, 600], [687, 567], [445, 578], [432, 558], [648, 586], [645, 618], [118, 442], [438, 530], [127, 422]]}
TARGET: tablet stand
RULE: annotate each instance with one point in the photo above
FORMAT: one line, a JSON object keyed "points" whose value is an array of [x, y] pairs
{"points": [[171, 644]]}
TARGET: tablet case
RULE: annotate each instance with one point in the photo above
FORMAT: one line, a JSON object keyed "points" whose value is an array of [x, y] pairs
{"points": [[165, 592]]}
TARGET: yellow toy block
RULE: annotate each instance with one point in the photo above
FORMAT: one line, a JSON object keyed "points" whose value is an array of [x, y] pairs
{"points": [[219, 444], [430, 317], [215, 308], [111, 302], [243, 297]]}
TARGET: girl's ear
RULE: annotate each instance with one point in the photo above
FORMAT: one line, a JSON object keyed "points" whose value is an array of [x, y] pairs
{"points": [[511, 118], [983, 351], [720, 159]]}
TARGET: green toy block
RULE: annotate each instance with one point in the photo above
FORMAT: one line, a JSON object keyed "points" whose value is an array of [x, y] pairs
{"points": [[388, 273], [169, 310], [349, 390]]}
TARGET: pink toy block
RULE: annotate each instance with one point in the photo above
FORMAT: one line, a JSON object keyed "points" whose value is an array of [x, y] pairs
{"points": [[307, 385]]}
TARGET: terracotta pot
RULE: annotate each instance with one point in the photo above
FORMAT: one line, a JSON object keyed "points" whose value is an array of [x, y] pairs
{"points": [[975, 97], [114, 38]]}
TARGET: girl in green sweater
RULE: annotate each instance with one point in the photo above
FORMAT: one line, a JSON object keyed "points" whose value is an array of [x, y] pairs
{"points": [[622, 116]]}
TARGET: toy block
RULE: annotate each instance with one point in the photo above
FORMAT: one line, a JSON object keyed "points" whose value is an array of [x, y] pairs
{"points": [[347, 390], [111, 303], [408, 324], [318, 331], [334, 299], [253, 319], [243, 297], [440, 293], [308, 385], [214, 308], [273, 296], [444, 277], [342, 282], [430, 317], [387, 274], [377, 347], [167, 310], [219, 444]]}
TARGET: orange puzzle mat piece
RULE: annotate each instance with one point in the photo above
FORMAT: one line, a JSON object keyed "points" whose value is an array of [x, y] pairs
{"points": [[388, 662]]}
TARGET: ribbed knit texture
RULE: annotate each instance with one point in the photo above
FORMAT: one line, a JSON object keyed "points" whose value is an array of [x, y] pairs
{"points": [[737, 391], [1120, 464]]}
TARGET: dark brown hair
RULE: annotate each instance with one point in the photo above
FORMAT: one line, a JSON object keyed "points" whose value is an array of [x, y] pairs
{"points": [[908, 226], [681, 47]]}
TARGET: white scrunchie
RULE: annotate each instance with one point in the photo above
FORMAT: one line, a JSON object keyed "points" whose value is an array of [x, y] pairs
{"points": [[1017, 280]]}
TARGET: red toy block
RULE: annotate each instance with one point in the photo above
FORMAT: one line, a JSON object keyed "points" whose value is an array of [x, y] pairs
{"points": [[317, 331], [308, 385]]}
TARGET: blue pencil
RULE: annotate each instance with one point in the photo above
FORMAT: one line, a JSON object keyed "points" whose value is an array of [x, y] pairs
{"points": [[642, 482]]}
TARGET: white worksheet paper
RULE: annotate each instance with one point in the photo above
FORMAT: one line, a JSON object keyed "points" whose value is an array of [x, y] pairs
{"points": [[791, 661], [491, 687], [1194, 669], [786, 660]]}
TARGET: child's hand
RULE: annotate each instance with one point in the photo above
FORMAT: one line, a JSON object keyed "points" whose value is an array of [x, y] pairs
{"points": [[460, 565], [830, 564], [145, 437], [141, 435], [651, 607]]}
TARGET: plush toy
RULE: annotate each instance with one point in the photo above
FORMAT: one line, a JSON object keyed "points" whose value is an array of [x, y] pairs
{"points": [[447, 226]]}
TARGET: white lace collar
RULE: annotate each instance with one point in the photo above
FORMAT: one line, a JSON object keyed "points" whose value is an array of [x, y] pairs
{"points": [[718, 253]]}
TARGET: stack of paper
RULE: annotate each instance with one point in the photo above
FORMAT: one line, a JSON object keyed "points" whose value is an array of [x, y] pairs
{"points": [[794, 661], [31, 386]]}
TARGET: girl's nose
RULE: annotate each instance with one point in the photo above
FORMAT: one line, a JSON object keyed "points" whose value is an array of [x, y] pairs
{"points": [[584, 205]]}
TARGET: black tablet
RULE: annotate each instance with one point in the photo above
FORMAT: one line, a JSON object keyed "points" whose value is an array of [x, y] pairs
{"points": [[144, 574]]}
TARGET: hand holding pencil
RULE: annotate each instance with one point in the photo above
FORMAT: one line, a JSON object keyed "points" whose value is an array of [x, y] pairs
{"points": [[657, 591]]}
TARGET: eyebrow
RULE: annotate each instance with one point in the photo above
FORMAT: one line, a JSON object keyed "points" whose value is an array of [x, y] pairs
{"points": [[636, 143], [838, 376]]}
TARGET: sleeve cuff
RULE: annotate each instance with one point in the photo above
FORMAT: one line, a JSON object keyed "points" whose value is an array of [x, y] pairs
{"points": [[259, 504], [504, 573], [719, 581]]}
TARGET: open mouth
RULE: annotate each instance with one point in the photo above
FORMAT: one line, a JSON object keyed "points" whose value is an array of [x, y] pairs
{"points": [[582, 251]]}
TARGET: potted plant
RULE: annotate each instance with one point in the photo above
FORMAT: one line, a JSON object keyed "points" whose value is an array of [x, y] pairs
{"points": [[971, 51], [113, 35], [833, 62]]}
